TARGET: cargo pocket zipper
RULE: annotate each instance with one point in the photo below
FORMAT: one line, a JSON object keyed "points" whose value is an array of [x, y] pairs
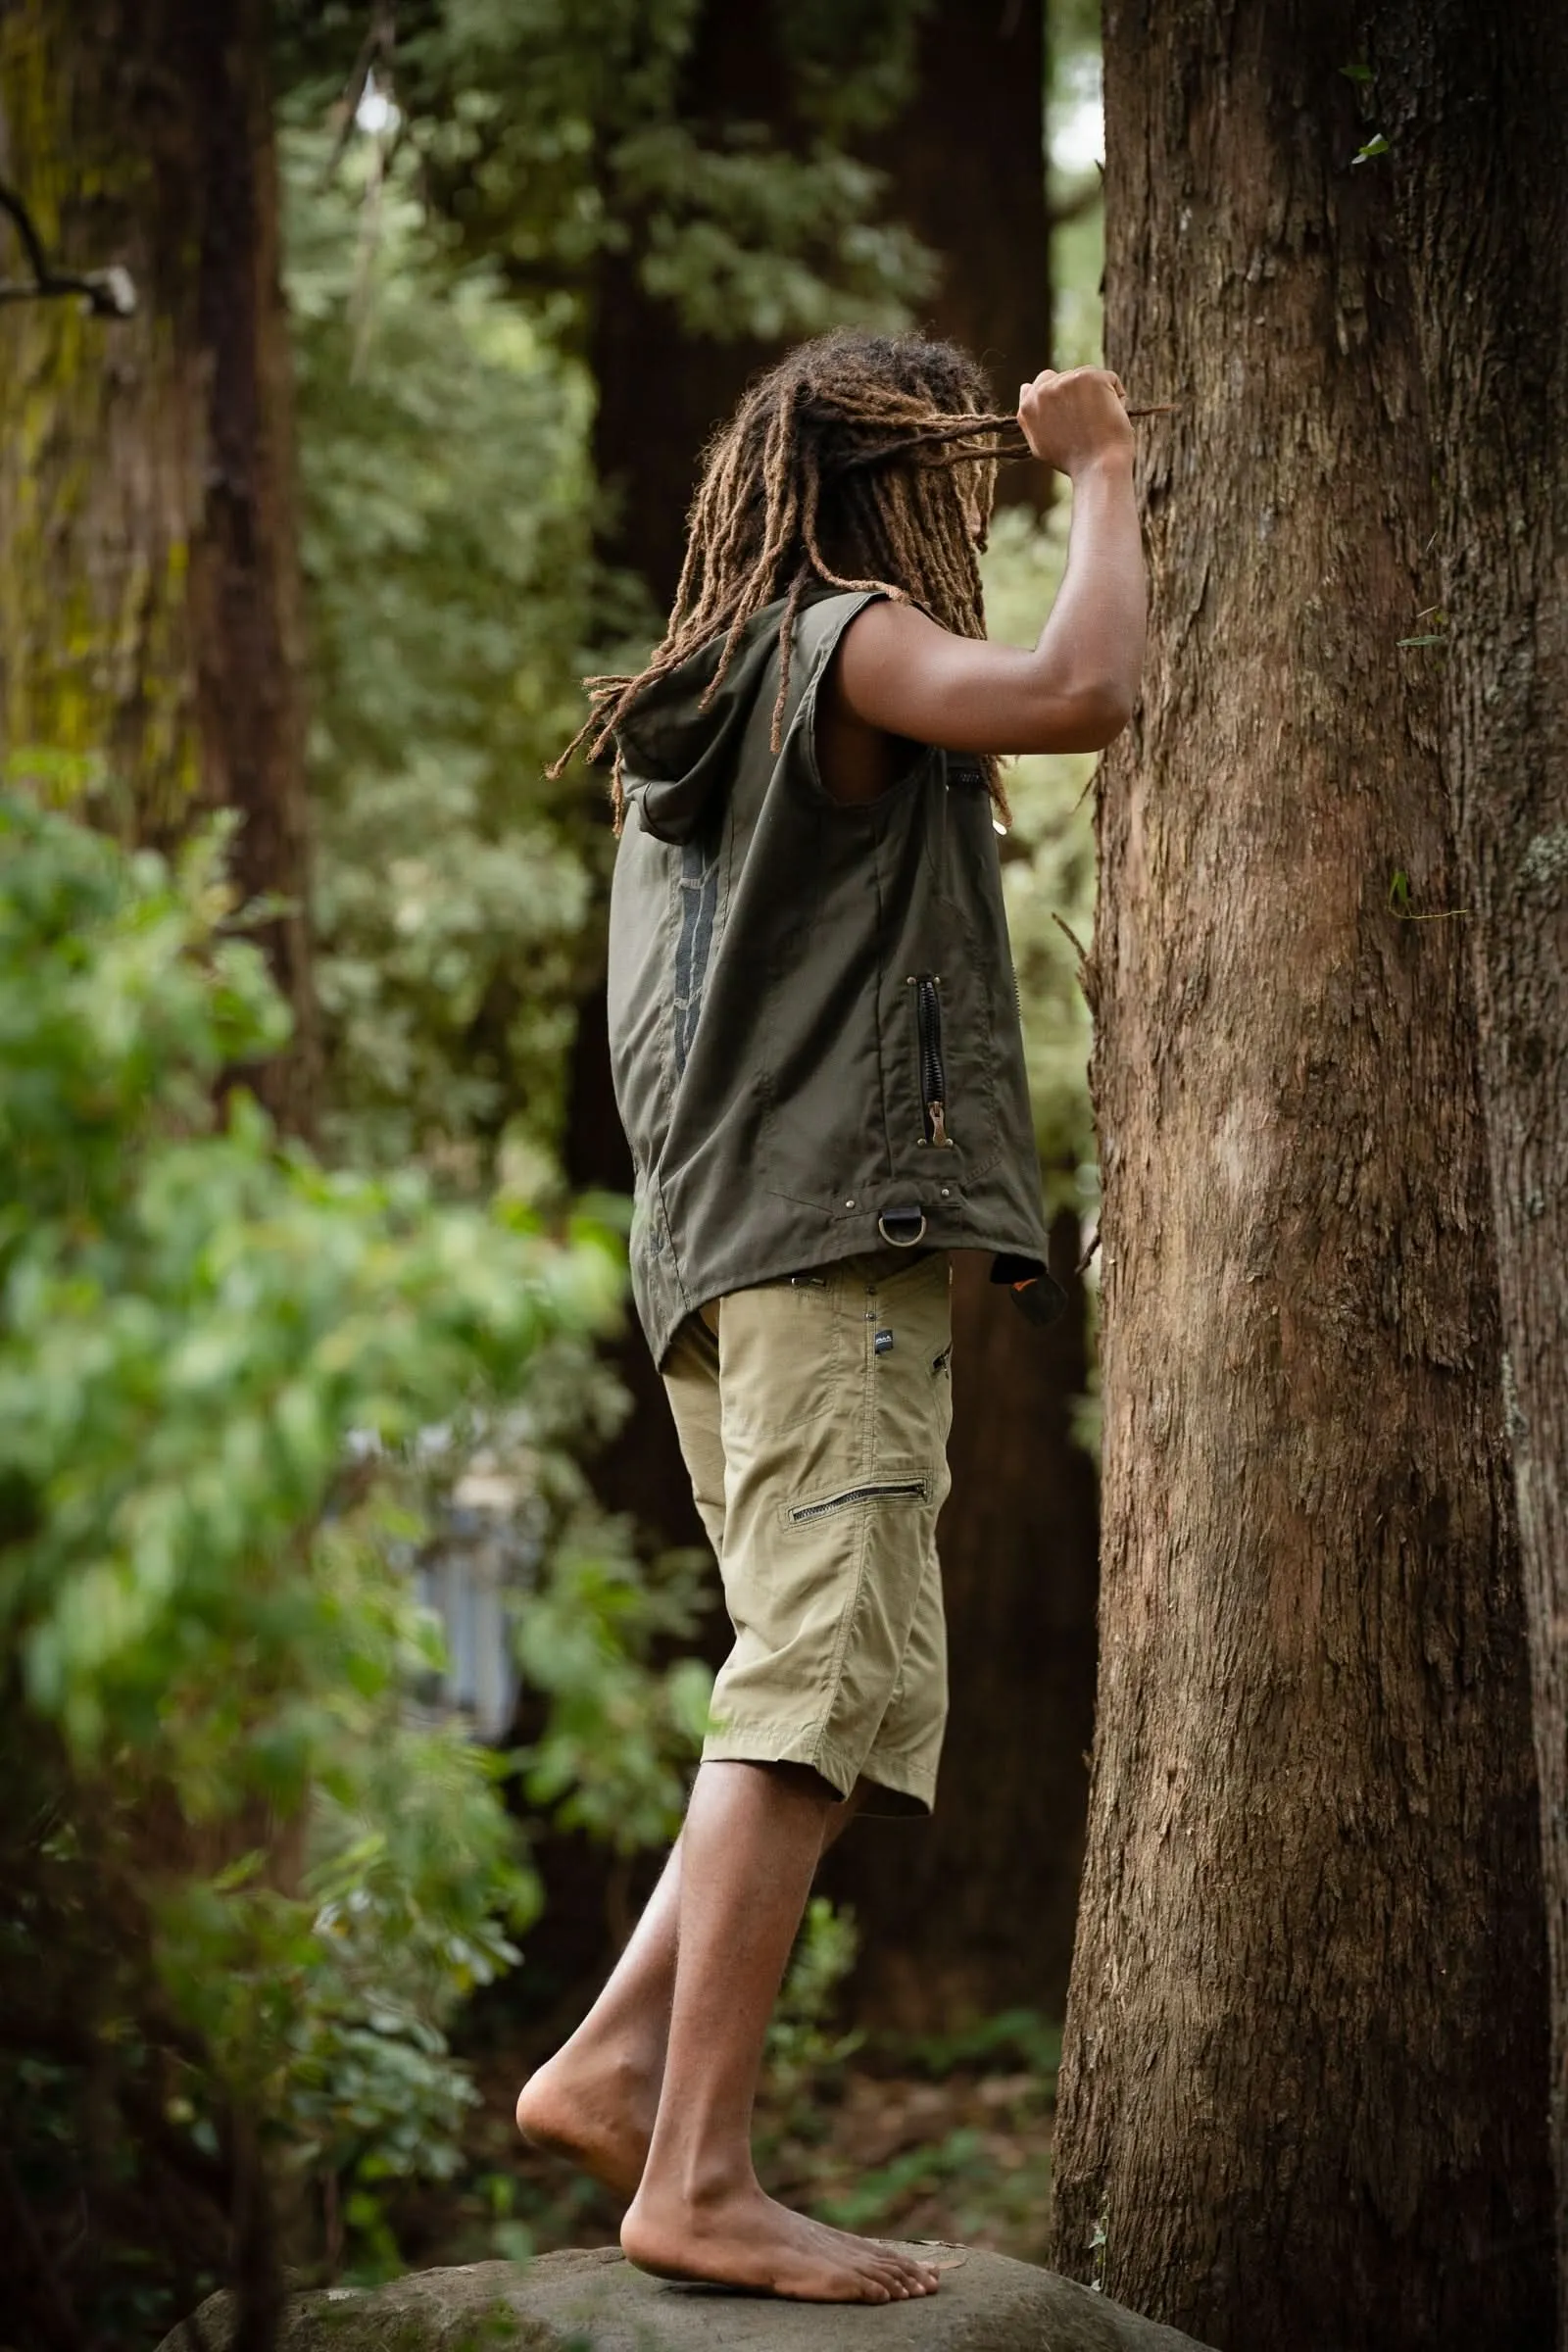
{"points": [[908, 1489], [933, 1068]]}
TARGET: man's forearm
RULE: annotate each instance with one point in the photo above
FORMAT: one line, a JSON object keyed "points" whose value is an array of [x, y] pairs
{"points": [[1091, 647]]}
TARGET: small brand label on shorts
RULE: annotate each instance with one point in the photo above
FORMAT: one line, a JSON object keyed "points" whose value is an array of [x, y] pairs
{"points": [[883, 1342]]}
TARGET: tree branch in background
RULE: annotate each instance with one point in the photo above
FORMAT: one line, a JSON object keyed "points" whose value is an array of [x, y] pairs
{"points": [[375, 50], [107, 293]]}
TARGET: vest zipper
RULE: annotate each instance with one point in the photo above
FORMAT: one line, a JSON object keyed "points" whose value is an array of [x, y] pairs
{"points": [[933, 1068], [913, 1487]]}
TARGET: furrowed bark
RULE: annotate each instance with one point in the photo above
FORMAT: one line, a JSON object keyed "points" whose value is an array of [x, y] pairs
{"points": [[1476, 99], [1305, 2076]]}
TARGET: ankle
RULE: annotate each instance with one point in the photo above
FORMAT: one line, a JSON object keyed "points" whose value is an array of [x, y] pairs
{"points": [[628, 2068], [700, 2181], [622, 2059]]}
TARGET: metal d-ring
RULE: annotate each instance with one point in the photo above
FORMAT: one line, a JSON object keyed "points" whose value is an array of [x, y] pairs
{"points": [[896, 1241]]}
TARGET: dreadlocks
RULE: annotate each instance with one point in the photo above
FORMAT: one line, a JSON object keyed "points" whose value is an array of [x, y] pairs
{"points": [[836, 471]]}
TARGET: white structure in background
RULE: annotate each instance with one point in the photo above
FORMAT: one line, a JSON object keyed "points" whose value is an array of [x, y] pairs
{"points": [[1078, 115], [480, 1556], [482, 1551]]}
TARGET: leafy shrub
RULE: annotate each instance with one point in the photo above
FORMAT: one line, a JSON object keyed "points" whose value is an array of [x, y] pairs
{"points": [[251, 1880]]}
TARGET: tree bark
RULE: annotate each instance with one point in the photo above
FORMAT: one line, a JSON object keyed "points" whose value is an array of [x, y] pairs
{"points": [[1476, 99], [1303, 2088], [149, 592]]}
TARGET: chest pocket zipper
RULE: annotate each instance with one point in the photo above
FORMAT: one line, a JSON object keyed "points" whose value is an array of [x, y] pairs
{"points": [[889, 1489], [927, 988]]}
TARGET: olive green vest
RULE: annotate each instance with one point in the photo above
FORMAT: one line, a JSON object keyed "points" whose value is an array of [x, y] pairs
{"points": [[814, 1021]]}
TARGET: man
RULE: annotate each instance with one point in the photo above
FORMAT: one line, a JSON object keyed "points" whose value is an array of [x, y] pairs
{"points": [[817, 1058]]}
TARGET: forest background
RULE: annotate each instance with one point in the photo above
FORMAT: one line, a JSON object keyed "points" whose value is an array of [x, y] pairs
{"points": [[356, 1632], [284, 1943]]}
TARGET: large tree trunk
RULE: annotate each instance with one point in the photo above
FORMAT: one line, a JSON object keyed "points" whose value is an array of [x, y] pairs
{"points": [[1477, 98], [1303, 2088], [148, 572]]}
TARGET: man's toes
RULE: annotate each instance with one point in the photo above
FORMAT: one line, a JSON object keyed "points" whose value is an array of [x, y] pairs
{"points": [[907, 2269], [926, 2274]]}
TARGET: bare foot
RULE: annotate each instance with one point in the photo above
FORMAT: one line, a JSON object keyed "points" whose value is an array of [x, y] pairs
{"points": [[597, 2112], [743, 2238]]}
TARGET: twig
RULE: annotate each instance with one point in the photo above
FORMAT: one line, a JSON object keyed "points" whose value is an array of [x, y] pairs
{"points": [[1083, 951], [939, 439], [107, 293]]}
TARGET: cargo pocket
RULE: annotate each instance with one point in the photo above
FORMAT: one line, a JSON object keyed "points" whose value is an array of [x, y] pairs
{"points": [[881, 1490]]}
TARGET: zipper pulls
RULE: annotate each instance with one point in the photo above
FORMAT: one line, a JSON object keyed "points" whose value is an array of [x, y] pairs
{"points": [[927, 987]]}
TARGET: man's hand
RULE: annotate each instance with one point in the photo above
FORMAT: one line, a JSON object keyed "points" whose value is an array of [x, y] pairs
{"points": [[1073, 419], [898, 678]]}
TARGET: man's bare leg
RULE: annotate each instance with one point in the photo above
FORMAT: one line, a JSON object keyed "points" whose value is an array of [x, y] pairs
{"points": [[593, 2102], [750, 1848]]}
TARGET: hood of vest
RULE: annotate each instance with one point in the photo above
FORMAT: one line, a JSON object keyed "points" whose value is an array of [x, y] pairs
{"points": [[677, 755]]}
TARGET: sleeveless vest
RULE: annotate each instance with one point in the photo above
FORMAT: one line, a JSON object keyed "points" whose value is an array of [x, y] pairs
{"points": [[814, 1021]]}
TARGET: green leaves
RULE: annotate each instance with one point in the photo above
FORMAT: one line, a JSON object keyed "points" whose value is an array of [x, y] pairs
{"points": [[613, 1756], [224, 1372], [1401, 906], [449, 508]]}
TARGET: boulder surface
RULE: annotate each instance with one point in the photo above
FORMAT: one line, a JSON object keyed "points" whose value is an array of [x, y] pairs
{"points": [[596, 2302]]}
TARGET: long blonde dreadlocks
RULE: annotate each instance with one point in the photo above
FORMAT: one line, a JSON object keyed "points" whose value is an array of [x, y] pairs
{"points": [[835, 471]]}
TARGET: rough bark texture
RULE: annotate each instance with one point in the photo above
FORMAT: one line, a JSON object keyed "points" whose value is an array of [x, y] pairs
{"points": [[1476, 99], [596, 2302], [1304, 2082], [148, 574], [974, 1913]]}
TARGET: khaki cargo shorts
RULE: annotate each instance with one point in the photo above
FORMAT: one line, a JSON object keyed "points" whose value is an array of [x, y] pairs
{"points": [[814, 1415]]}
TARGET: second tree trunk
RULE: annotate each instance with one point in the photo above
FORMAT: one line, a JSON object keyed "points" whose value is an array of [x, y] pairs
{"points": [[1303, 2087]]}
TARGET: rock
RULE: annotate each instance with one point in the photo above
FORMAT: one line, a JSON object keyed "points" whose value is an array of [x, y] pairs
{"points": [[596, 2302]]}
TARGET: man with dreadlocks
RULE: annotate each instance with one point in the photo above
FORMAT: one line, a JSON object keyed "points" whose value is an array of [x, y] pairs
{"points": [[814, 1030]]}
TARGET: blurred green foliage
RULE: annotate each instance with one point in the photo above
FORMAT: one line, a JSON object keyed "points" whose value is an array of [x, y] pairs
{"points": [[551, 137], [447, 519], [252, 1879]]}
